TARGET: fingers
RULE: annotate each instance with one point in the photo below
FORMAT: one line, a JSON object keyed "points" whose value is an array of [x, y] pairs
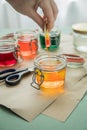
{"points": [[54, 8], [50, 12], [29, 8]]}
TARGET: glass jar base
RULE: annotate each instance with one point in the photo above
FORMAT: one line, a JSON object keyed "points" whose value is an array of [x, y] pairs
{"points": [[53, 91], [82, 49]]}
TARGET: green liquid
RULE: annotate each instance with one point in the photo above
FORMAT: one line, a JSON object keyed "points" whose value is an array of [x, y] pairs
{"points": [[55, 41]]}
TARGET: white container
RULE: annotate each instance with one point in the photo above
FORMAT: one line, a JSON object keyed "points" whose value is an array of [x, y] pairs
{"points": [[80, 36]]}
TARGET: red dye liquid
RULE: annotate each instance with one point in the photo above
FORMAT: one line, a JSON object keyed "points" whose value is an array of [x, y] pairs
{"points": [[28, 47], [8, 59]]}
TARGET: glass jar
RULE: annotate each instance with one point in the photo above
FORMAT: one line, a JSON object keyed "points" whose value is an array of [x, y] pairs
{"points": [[80, 37], [54, 39], [28, 42], [49, 74], [9, 52]]}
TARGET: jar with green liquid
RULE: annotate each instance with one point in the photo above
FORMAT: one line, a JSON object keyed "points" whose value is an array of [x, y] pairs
{"points": [[54, 39]]}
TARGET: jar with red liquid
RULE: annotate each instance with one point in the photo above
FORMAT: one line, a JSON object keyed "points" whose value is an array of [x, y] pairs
{"points": [[8, 52], [28, 42]]}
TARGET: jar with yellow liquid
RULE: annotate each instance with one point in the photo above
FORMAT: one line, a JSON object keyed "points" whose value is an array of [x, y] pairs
{"points": [[49, 73]]}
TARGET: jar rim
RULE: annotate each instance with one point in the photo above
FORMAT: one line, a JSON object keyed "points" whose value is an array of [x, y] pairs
{"points": [[50, 62], [54, 31], [27, 33], [7, 45], [80, 28]]}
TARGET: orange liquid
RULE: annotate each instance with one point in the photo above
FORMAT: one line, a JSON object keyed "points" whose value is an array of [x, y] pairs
{"points": [[53, 81], [28, 47]]}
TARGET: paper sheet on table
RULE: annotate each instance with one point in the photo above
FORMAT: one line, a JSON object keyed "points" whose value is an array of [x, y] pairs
{"points": [[23, 99], [74, 87]]}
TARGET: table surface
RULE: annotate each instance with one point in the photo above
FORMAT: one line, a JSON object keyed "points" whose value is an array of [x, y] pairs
{"points": [[76, 121]]}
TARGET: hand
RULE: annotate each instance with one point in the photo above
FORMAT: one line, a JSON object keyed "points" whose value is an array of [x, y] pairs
{"points": [[29, 8]]}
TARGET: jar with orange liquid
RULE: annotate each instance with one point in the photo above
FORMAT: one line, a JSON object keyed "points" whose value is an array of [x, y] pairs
{"points": [[28, 42], [49, 74]]}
